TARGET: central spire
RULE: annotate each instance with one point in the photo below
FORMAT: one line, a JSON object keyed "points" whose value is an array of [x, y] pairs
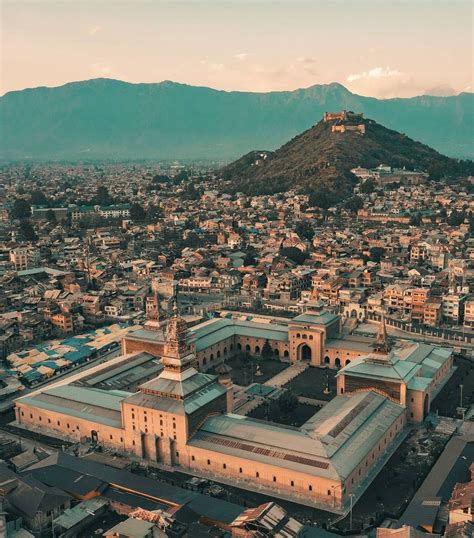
{"points": [[178, 355], [382, 344]]}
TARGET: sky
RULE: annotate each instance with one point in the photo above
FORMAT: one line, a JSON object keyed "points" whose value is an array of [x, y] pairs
{"points": [[380, 48]]}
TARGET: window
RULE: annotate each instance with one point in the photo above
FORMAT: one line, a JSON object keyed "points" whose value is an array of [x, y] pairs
{"points": [[31, 415], [59, 424], [174, 425], [161, 423], [67, 426], [111, 437], [22, 413], [224, 466], [310, 487], [329, 492], [240, 470], [133, 443], [40, 418], [177, 454], [121, 439], [257, 474], [145, 418], [292, 483], [49, 421], [193, 458], [274, 479], [209, 462], [133, 416]]}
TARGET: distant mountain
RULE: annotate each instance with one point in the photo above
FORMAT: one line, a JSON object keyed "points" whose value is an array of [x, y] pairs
{"points": [[109, 119], [320, 159]]}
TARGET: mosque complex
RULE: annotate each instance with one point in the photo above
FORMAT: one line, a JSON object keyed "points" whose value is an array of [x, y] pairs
{"points": [[158, 403]]}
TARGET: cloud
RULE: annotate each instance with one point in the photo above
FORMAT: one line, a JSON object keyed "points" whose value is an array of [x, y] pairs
{"points": [[443, 90], [375, 73], [241, 56], [102, 70], [305, 60], [94, 30]]}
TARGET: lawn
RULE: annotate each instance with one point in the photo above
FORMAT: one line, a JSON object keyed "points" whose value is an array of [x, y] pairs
{"points": [[244, 371], [450, 396], [312, 382]]}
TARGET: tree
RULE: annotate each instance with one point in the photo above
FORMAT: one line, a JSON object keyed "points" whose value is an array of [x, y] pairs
{"points": [[153, 213], [27, 230], [456, 218], [368, 186], [305, 230], [102, 196], [37, 197], [354, 204], [51, 216], [295, 254], [415, 219], [267, 352], [21, 209], [137, 213], [376, 253]]}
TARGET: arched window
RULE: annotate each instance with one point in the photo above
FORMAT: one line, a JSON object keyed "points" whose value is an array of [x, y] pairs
{"points": [[212, 357], [247, 348], [304, 337], [204, 360], [285, 353], [298, 335], [337, 362], [276, 351], [326, 360], [225, 351], [257, 350], [310, 336], [218, 353], [239, 346], [348, 362]]}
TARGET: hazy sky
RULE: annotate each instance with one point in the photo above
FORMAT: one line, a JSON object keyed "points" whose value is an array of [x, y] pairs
{"points": [[382, 48]]}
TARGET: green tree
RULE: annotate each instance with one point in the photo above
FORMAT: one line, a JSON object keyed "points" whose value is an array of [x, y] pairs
{"points": [[368, 186], [354, 203], [51, 216], [267, 352], [137, 213], [376, 253], [305, 230], [27, 231], [294, 254], [21, 209]]}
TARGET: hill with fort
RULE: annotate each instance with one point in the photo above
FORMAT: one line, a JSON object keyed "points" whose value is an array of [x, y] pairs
{"points": [[319, 160], [105, 119]]}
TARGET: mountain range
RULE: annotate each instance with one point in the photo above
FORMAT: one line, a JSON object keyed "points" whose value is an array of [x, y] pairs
{"points": [[110, 119]]}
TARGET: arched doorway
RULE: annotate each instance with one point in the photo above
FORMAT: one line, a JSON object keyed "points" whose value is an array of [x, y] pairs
{"points": [[426, 406], [304, 352]]}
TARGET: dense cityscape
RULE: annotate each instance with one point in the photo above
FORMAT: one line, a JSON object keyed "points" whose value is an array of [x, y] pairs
{"points": [[236, 269]]}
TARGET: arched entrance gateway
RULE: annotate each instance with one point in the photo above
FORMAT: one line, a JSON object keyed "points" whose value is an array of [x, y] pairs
{"points": [[304, 352]]}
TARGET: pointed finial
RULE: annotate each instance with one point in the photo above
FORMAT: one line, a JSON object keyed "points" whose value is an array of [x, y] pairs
{"points": [[382, 344]]}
